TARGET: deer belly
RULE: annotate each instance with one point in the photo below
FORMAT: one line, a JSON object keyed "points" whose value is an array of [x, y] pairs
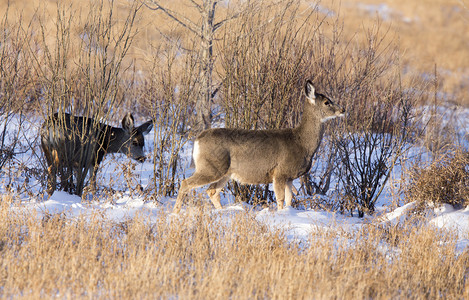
{"points": [[251, 174]]}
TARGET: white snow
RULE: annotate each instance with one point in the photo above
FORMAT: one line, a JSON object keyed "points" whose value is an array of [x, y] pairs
{"points": [[452, 219], [125, 203], [297, 224], [383, 11]]}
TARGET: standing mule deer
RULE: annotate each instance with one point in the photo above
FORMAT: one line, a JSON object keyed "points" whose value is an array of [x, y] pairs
{"points": [[80, 143], [260, 156]]}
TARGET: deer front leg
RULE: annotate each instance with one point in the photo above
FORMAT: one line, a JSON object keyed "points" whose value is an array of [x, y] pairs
{"points": [[279, 189], [288, 193], [92, 183], [51, 179]]}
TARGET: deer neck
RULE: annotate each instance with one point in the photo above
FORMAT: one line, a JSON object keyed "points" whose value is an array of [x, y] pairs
{"points": [[310, 130], [110, 141]]}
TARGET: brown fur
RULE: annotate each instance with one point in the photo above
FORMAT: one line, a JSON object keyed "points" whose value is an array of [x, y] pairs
{"points": [[260, 156]]}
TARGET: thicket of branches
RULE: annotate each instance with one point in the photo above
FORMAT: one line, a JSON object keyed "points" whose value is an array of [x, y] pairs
{"points": [[258, 65]]}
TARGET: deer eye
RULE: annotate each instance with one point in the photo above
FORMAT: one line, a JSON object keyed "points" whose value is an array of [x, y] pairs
{"points": [[327, 103]]}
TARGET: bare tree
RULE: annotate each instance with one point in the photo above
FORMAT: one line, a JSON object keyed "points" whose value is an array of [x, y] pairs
{"points": [[204, 29]]}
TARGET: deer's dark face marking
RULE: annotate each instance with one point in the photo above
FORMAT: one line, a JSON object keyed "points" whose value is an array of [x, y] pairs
{"points": [[132, 138], [324, 106]]}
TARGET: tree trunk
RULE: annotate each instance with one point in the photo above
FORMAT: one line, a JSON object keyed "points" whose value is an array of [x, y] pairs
{"points": [[203, 105]]}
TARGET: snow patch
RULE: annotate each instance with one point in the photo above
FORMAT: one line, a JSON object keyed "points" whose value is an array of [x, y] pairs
{"points": [[384, 12], [453, 220]]}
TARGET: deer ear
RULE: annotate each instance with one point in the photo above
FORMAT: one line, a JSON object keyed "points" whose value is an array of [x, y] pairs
{"points": [[310, 92], [128, 122], [146, 127]]}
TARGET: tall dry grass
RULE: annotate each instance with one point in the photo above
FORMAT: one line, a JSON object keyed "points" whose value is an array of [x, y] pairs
{"points": [[211, 256], [430, 33], [444, 181]]}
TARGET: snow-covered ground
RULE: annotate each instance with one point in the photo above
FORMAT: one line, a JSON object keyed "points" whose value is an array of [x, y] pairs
{"points": [[123, 204], [298, 224]]}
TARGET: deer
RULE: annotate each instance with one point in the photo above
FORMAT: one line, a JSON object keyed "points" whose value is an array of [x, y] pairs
{"points": [[275, 156], [80, 143]]}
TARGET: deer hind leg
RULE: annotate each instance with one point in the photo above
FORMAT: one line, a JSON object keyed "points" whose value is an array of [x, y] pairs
{"points": [[195, 181], [280, 185], [214, 190], [53, 162]]}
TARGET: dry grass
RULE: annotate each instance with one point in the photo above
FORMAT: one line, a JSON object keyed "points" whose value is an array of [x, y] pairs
{"points": [[446, 180], [207, 256], [430, 33], [204, 256]]}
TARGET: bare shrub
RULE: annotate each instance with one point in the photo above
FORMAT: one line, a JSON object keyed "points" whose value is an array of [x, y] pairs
{"points": [[17, 93], [83, 79], [265, 64], [169, 92], [379, 126], [11, 72], [445, 180], [370, 146]]}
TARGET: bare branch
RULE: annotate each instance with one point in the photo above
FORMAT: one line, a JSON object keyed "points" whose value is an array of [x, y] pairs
{"points": [[196, 5], [180, 19], [247, 8], [169, 40], [222, 22]]}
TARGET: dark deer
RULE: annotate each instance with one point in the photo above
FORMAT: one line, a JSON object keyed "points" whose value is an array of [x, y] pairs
{"points": [[74, 145], [260, 156]]}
